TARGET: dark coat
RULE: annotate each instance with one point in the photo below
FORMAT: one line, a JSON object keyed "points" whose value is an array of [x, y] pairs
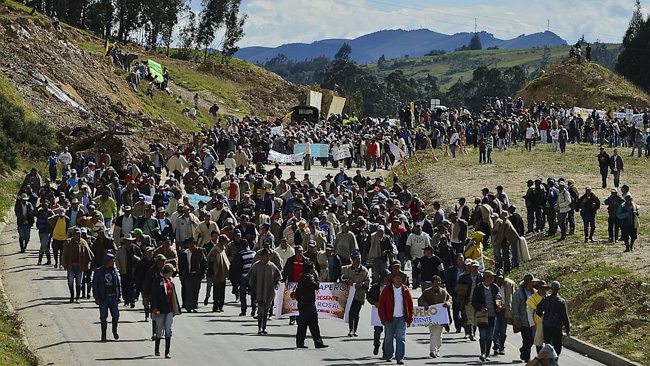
{"points": [[18, 210], [159, 300], [478, 299]]}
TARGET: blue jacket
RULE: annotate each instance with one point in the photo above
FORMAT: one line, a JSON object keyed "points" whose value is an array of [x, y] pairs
{"points": [[552, 196], [99, 284]]}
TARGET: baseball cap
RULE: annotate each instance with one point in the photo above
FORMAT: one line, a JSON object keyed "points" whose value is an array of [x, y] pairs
{"points": [[555, 285]]}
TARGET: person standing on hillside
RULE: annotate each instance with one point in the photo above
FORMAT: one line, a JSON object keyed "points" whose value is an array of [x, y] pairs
{"points": [[613, 203], [589, 205], [616, 165], [628, 213], [603, 164]]}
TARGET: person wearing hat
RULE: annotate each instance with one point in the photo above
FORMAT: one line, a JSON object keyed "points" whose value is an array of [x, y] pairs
{"points": [[124, 223], [613, 203], [33, 179], [504, 316], [186, 225], [217, 270], [474, 250], [141, 270], [168, 251], [263, 278], [44, 232], [25, 213], [126, 260], [356, 275], [152, 275], [486, 301], [107, 293], [305, 295], [628, 214], [465, 286], [76, 260], [192, 265], [616, 166], [589, 205], [164, 225], [238, 274], [395, 309], [204, 230], [373, 298], [555, 315], [533, 319], [416, 241], [345, 244], [563, 206], [285, 251], [520, 315], [59, 224], [102, 245], [107, 206], [435, 295], [450, 278], [603, 164], [428, 266], [164, 306]]}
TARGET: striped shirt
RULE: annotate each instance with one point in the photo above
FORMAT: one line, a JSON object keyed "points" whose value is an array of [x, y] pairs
{"points": [[489, 142], [247, 256]]}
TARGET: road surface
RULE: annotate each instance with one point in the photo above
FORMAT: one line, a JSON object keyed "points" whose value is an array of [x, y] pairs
{"points": [[68, 334]]}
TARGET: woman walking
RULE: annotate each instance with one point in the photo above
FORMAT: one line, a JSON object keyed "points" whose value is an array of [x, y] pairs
{"points": [[486, 301], [164, 306]]}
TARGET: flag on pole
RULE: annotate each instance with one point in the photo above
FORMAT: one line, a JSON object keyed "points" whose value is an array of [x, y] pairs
{"points": [[288, 115]]}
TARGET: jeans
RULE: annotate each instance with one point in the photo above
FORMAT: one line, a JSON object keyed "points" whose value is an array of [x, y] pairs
{"points": [[499, 336], [562, 146], [539, 218], [453, 150], [416, 279], [218, 295], [45, 243], [307, 161], [603, 174], [457, 315], [612, 227], [481, 157], [529, 144], [489, 156], [243, 290], [556, 144], [572, 220], [639, 148], [75, 275], [553, 335], [308, 317], [163, 323], [542, 134], [486, 331], [514, 248], [377, 337], [24, 231], [106, 304], [561, 220], [395, 329], [374, 162], [208, 282], [530, 218], [617, 177], [589, 221]]}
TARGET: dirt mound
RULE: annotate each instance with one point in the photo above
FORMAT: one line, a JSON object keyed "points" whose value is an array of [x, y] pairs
{"points": [[80, 95], [587, 85]]}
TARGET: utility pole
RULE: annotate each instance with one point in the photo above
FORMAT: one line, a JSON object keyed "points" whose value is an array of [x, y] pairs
{"points": [[474, 25], [548, 25]]}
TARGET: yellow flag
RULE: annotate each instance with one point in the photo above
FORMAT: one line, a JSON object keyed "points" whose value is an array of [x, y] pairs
{"points": [[288, 114]]}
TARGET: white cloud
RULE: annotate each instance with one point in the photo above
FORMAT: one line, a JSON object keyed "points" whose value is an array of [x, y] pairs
{"points": [[276, 22]]}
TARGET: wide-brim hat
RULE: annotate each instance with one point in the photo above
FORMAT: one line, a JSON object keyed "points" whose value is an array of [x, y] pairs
{"points": [[127, 237], [528, 279], [396, 273]]}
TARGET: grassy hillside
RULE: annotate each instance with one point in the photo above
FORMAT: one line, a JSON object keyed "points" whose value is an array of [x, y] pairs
{"points": [[588, 84], [607, 290], [454, 66]]}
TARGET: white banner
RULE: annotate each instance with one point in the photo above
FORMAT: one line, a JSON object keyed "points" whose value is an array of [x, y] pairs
{"points": [[315, 99], [275, 156], [277, 130], [397, 152], [337, 106], [341, 152], [333, 300], [433, 315]]}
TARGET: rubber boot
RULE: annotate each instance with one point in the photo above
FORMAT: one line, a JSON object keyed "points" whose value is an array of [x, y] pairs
{"points": [[591, 235], [83, 291], [88, 286], [157, 347], [40, 257], [79, 292], [115, 335], [146, 313], [153, 329], [104, 326], [49, 261], [168, 344]]}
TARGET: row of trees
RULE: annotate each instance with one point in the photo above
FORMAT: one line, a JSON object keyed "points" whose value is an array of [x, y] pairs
{"points": [[152, 22]]}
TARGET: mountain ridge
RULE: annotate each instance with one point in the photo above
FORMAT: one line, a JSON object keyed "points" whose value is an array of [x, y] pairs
{"points": [[394, 43]]}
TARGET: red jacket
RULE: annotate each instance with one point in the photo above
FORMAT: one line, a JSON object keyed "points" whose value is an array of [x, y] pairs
{"points": [[386, 304]]}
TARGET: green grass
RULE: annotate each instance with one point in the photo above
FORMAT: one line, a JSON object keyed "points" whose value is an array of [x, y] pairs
{"points": [[12, 350], [454, 66], [91, 47], [13, 95]]}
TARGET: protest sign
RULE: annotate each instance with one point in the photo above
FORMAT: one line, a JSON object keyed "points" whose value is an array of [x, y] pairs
{"points": [[434, 315], [333, 300], [396, 151], [341, 152], [194, 199], [277, 157], [277, 130], [317, 150]]}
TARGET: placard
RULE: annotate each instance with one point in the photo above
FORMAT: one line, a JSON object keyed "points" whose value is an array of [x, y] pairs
{"points": [[433, 315], [333, 300], [317, 150]]}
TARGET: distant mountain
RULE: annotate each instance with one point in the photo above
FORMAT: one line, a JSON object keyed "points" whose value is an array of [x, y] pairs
{"points": [[394, 44]]}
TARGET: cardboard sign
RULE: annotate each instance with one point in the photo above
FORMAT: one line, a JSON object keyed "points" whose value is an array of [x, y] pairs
{"points": [[333, 301], [434, 315]]}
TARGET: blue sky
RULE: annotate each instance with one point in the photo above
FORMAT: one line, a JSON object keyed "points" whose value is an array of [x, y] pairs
{"points": [[275, 22]]}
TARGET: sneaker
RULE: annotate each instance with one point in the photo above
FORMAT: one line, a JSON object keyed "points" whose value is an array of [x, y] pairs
{"points": [[496, 352], [482, 358], [432, 355], [351, 334], [302, 346], [322, 346], [502, 352], [471, 337], [487, 358], [400, 362]]}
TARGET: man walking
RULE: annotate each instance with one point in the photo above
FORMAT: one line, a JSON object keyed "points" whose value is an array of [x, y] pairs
{"points": [[396, 314], [107, 293], [628, 213], [589, 205], [613, 202], [76, 260], [520, 315], [603, 164], [556, 316], [616, 165], [435, 295], [263, 279], [25, 218]]}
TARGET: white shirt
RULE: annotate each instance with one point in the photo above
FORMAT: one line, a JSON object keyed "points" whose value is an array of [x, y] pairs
{"points": [[127, 224], [398, 310], [189, 258], [530, 132]]}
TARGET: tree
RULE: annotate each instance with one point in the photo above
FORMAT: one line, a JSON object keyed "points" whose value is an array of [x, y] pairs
{"points": [[211, 19], [381, 61], [344, 52], [159, 16], [515, 78], [475, 43], [632, 61], [186, 37], [546, 58], [234, 30], [128, 17]]}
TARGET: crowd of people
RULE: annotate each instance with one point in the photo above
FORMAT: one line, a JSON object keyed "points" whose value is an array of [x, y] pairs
{"points": [[123, 229]]}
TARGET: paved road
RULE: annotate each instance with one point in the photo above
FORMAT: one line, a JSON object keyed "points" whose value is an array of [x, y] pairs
{"points": [[64, 333]]}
